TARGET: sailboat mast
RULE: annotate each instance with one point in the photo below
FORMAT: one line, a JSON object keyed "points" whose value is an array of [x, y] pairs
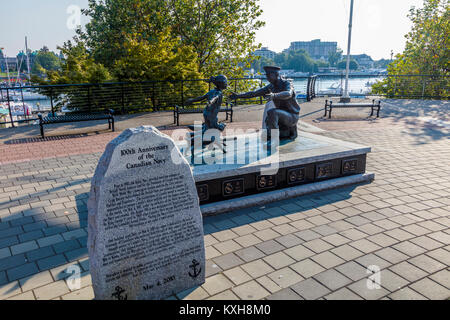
{"points": [[28, 60]]}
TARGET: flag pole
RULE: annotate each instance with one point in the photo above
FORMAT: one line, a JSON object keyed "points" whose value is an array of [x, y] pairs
{"points": [[346, 97]]}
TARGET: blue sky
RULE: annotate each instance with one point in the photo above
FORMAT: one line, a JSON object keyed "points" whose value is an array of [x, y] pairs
{"points": [[379, 26]]}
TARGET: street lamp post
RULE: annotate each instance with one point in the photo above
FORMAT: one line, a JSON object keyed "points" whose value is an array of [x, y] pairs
{"points": [[345, 97]]}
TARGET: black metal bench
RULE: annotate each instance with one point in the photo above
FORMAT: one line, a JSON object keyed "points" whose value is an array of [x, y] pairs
{"points": [[76, 118], [329, 105], [228, 109]]}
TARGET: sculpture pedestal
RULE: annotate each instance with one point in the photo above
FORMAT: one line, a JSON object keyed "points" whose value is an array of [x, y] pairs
{"points": [[248, 177]]}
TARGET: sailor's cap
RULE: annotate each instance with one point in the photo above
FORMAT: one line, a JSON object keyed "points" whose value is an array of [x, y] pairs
{"points": [[271, 69]]}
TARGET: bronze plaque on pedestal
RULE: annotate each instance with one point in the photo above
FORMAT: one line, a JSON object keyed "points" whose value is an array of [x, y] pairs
{"points": [[295, 175], [233, 187]]}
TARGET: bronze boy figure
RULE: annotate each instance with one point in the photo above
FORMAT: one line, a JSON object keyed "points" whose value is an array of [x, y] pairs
{"points": [[285, 113], [214, 100]]}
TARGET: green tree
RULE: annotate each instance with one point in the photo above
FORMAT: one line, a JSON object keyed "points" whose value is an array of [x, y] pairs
{"points": [[427, 52], [335, 57], [298, 60], [259, 63], [343, 64], [221, 32], [44, 61]]}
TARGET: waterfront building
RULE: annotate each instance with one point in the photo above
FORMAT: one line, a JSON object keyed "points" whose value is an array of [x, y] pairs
{"points": [[315, 48], [265, 52]]}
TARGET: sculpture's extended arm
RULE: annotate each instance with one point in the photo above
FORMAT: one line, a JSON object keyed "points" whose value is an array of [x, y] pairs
{"points": [[287, 92], [197, 99], [260, 92]]}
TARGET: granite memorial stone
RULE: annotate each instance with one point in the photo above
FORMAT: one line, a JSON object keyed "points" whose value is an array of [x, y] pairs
{"points": [[145, 226]]}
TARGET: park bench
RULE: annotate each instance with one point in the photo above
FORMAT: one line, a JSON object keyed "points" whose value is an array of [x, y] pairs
{"points": [[228, 109], [50, 119], [329, 105]]}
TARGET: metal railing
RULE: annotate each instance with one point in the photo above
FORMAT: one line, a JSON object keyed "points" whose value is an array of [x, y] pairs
{"points": [[21, 104]]}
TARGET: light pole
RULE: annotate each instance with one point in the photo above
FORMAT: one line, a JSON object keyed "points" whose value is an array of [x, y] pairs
{"points": [[345, 97]]}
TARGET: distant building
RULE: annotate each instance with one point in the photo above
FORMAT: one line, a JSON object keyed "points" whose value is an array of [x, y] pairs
{"points": [[11, 61], [265, 52], [315, 48], [364, 61]]}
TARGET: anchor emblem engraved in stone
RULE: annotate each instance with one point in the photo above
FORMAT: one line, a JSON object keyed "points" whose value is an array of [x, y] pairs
{"points": [[195, 271], [118, 294]]}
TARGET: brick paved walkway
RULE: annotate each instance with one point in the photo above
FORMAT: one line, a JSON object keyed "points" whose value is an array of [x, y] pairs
{"points": [[310, 247]]}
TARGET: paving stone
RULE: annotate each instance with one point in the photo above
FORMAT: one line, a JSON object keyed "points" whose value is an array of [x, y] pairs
{"points": [[226, 295], [11, 262], [285, 277], [268, 284], [227, 246], [289, 240], [285, 294], [308, 235], [346, 252], [257, 268], [33, 235], [22, 271], [39, 253], [47, 241], [343, 294], [211, 252], [327, 259], [247, 240], [9, 241], [310, 289], [336, 239], [353, 270], [76, 254], [237, 275], [35, 281], [9, 290], [442, 277], [24, 247], [23, 296], [51, 290], [365, 245], [391, 255], [299, 252], [409, 248], [74, 234], [267, 234], [392, 281], [279, 260], [197, 293], [62, 247], [86, 293], [228, 261], [318, 245], [362, 289], [249, 254], [242, 231], [269, 247], [211, 268], [51, 262], [4, 252], [426, 263], [332, 279], [307, 268], [431, 290], [224, 235], [406, 294], [371, 259], [408, 271], [250, 291], [441, 255]]}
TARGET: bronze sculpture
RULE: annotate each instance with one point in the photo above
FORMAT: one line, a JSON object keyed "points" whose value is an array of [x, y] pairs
{"points": [[214, 100], [283, 113]]}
